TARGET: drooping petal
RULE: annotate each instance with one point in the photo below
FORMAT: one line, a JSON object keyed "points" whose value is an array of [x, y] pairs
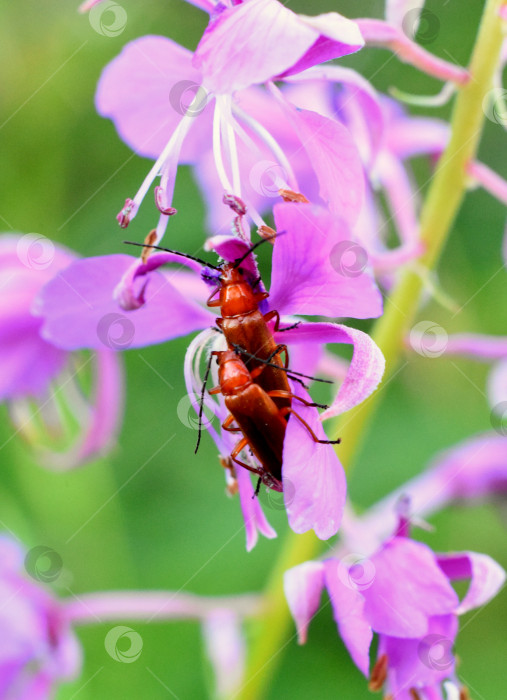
{"points": [[231, 57], [146, 91], [407, 588], [253, 515], [366, 367], [348, 611], [313, 479], [79, 311], [335, 160], [486, 577], [311, 271], [303, 586]]}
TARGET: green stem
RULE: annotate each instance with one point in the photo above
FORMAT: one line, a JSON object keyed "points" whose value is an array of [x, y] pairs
{"points": [[444, 198]]}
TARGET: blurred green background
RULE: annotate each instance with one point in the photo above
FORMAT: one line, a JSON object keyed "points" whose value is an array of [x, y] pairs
{"points": [[65, 174]]}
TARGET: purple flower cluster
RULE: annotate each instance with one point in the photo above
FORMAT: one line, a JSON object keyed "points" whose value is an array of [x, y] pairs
{"points": [[309, 156]]}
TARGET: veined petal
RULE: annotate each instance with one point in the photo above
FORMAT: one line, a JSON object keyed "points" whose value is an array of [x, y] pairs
{"points": [[313, 478], [407, 588], [79, 311], [303, 586], [348, 611], [231, 54], [146, 91], [486, 577], [366, 367], [335, 160], [311, 272]]}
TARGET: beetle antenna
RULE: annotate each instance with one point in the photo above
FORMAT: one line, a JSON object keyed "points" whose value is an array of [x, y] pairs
{"points": [[201, 403], [175, 252], [238, 262]]}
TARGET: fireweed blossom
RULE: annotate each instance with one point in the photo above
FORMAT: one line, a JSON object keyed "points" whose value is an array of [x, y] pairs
{"points": [[306, 279], [37, 377], [231, 59], [402, 593], [40, 649]]}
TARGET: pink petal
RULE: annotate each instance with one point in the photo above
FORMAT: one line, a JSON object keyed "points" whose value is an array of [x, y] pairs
{"points": [[409, 137], [146, 90], [379, 33], [348, 610], [366, 367], [487, 178], [477, 346], [303, 586], [408, 587], [487, 577], [312, 273], [232, 53], [313, 478], [255, 520], [335, 160], [79, 311]]}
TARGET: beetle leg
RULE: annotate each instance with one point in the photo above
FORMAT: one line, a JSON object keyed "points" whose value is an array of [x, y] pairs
{"points": [[284, 411], [241, 446], [226, 425]]}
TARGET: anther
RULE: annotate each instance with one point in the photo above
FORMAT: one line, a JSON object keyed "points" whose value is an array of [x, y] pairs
{"points": [[148, 242], [268, 233], [291, 196], [379, 674]]}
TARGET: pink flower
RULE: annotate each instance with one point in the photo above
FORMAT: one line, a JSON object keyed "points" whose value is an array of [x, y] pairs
{"points": [[402, 592], [36, 370], [156, 92], [307, 278]]}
